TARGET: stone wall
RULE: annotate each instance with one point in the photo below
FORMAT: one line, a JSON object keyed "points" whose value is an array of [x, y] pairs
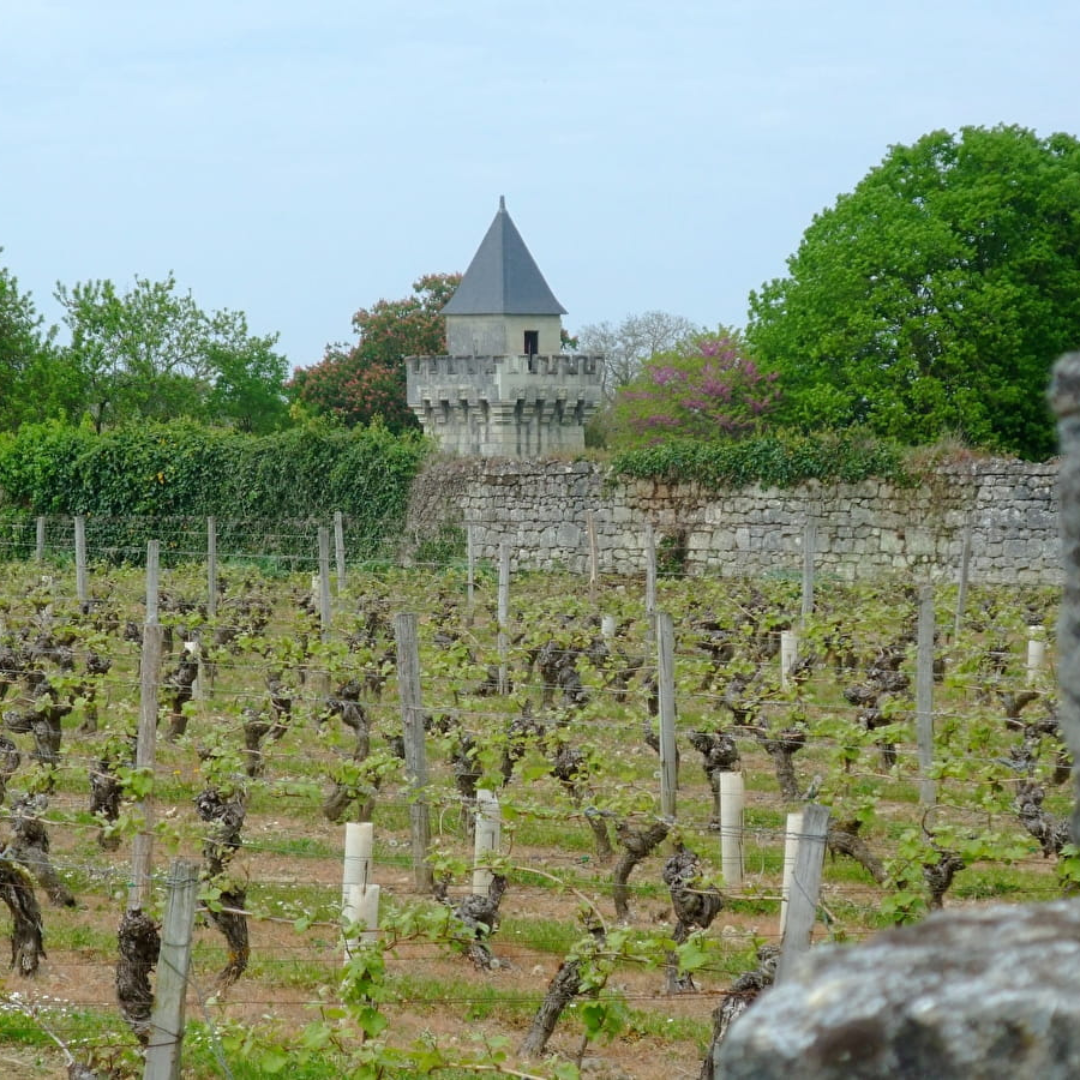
{"points": [[861, 530]]}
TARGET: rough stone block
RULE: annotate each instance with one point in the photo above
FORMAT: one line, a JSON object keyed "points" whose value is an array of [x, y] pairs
{"points": [[992, 993]]}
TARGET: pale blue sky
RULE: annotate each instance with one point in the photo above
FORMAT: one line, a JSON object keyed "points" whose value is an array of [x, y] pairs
{"points": [[299, 160]]}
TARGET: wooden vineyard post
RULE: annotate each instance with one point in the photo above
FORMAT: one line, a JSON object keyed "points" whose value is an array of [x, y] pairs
{"points": [[325, 609], [965, 567], [488, 838], [470, 557], [211, 567], [809, 554], [322, 681], [167, 1022], [924, 695], [789, 656], [791, 845], [805, 888], [81, 588], [665, 645], [732, 797], [339, 551], [39, 548], [153, 579], [504, 616], [594, 554], [1065, 399], [650, 581], [145, 747], [412, 716]]}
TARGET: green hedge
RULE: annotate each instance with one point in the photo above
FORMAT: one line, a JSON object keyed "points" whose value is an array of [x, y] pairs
{"points": [[269, 493], [781, 460]]}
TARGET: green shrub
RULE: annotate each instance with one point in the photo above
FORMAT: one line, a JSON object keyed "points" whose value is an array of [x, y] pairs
{"points": [[777, 460], [269, 493]]}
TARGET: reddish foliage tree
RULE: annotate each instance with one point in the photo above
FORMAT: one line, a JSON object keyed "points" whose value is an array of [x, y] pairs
{"points": [[367, 380]]}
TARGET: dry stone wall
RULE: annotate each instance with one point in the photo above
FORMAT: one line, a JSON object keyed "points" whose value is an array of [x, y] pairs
{"points": [[862, 530]]}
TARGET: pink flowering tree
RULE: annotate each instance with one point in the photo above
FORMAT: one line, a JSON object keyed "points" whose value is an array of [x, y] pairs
{"points": [[709, 390]]}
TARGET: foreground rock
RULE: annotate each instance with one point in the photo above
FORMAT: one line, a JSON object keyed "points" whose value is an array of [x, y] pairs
{"points": [[987, 994]]}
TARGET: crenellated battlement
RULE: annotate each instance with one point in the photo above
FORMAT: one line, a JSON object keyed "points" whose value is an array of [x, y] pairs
{"points": [[427, 367], [505, 406]]}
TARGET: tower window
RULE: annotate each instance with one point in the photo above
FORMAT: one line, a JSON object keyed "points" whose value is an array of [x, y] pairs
{"points": [[532, 342]]}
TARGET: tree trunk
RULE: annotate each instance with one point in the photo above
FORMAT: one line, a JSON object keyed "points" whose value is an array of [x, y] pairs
{"points": [[27, 933], [562, 989], [140, 944], [844, 840], [638, 845]]}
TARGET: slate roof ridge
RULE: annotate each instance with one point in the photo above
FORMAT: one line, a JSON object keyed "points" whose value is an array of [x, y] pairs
{"points": [[503, 278]]}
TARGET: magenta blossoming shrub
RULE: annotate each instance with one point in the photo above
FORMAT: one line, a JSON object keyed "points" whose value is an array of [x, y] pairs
{"points": [[712, 391]]}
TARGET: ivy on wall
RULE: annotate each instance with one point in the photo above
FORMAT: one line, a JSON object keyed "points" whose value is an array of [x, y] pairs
{"points": [[127, 480]]}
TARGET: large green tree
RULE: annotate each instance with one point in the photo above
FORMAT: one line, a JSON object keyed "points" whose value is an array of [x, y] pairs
{"points": [[35, 383], [933, 298], [366, 380], [152, 354]]}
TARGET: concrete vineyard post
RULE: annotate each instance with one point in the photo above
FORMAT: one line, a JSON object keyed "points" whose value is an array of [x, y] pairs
{"points": [[732, 798], [1036, 653], [358, 905], [488, 838], [359, 845], [363, 911], [791, 844], [789, 656], [39, 547]]}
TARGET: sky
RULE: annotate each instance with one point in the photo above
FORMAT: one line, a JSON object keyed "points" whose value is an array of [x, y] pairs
{"points": [[298, 161]]}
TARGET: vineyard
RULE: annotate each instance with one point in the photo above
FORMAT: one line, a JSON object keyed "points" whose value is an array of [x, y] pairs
{"points": [[597, 932]]}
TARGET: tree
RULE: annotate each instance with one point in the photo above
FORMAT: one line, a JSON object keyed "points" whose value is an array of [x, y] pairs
{"points": [[153, 354], [626, 347], [36, 385], [360, 382], [934, 297], [708, 390]]}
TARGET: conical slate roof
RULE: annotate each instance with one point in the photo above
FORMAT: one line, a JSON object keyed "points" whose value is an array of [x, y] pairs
{"points": [[503, 278]]}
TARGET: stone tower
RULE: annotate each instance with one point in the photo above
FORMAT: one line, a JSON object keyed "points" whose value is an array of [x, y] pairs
{"points": [[506, 389]]}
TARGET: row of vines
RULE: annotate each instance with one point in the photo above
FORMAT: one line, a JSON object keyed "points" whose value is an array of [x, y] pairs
{"points": [[607, 938]]}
